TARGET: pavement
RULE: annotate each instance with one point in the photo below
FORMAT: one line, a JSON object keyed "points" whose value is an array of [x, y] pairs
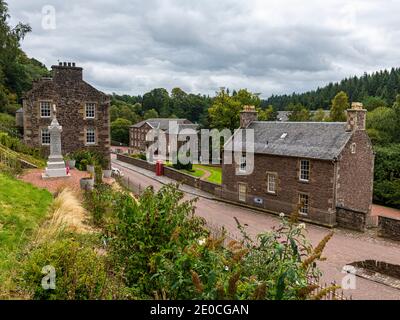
{"points": [[344, 248]]}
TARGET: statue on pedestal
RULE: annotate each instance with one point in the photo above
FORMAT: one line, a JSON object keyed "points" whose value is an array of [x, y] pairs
{"points": [[55, 164]]}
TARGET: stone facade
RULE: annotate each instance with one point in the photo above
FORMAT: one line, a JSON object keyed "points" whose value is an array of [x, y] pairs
{"points": [[338, 191], [72, 96], [320, 187], [389, 228]]}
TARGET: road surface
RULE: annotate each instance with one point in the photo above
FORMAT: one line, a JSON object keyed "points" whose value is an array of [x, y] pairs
{"points": [[345, 246]]}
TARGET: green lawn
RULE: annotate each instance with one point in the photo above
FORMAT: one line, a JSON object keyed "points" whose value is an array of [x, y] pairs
{"points": [[216, 173], [22, 209]]}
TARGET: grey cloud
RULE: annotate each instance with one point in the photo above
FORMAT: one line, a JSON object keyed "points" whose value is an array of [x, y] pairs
{"points": [[275, 47]]}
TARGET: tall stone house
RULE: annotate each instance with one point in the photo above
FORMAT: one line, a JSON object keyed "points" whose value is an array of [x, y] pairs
{"points": [[322, 169], [82, 111], [138, 131]]}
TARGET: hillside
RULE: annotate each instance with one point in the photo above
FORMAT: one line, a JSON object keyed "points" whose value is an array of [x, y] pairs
{"points": [[382, 84]]}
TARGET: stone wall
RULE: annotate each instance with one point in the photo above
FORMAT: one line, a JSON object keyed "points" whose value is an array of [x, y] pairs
{"points": [[174, 174], [385, 268], [320, 188], [355, 174], [70, 94], [350, 219], [389, 228], [136, 162]]}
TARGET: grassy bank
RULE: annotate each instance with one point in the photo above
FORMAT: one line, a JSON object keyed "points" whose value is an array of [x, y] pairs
{"points": [[22, 209]]}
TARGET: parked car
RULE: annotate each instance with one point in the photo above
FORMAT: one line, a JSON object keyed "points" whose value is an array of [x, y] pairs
{"points": [[116, 172]]}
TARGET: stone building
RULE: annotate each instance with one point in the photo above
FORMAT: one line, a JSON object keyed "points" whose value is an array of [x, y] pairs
{"points": [[82, 111], [138, 132], [323, 168]]}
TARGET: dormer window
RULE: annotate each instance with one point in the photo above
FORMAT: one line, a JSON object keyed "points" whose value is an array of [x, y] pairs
{"points": [[45, 109], [90, 110]]}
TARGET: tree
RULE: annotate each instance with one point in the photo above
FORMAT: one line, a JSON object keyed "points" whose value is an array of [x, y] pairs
{"points": [[298, 113], [269, 114], [224, 112], [319, 115], [150, 114], [372, 103], [157, 99], [339, 105], [120, 130]]}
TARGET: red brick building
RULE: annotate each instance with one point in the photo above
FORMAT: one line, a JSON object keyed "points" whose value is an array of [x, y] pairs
{"points": [[82, 111], [326, 168]]}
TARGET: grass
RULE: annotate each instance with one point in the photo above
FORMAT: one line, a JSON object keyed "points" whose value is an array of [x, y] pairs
{"points": [[22, 208], [37, 162], [216, 173]]}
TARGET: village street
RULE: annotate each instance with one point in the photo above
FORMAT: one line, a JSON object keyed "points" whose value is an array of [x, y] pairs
{"points": [[345, 247]]}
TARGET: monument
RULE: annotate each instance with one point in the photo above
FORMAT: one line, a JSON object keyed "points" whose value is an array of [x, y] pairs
{"points": [[55, 164]]}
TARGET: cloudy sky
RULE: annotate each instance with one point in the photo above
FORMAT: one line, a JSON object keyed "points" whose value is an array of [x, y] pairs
{"points": [[270, 47]]}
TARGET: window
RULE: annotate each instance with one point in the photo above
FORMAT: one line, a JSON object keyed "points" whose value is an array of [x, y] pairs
{"points": [[90, 136], [304, 203], [271, 183], [242, 192], [45, 109], [242, 165], [90, 110], [304, 170], [45, 136], [353, 148]]}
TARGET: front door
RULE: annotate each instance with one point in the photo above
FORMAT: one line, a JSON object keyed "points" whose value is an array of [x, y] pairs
{"points": [[242, 192]]}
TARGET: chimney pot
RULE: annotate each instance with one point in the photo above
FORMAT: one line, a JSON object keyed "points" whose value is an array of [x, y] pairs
{"points": [[69, 64], [73, 64]]}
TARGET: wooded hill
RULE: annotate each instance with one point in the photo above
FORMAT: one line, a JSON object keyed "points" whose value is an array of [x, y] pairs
{"points": [[383, 84]]}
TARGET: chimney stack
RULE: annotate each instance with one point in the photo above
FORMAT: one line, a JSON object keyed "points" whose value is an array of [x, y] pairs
{"points": [[66, 71], [356, 117], [247, 116]]}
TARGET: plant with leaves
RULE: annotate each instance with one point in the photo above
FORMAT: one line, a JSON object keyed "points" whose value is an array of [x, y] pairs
{"points": [[340, 104]]}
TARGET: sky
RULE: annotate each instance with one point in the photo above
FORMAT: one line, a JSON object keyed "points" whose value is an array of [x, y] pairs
{"points": [[268, 47]]}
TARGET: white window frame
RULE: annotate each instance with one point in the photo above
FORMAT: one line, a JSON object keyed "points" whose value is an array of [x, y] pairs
{"points": [[42, 131], [242, 195], [88, 112], [271, 180], [46, 104], [89, 131], [304, 209], [304, 168], [243, 163]]}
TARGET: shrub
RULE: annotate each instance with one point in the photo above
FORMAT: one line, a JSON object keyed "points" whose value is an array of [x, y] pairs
{"points": [[99, 202], [18, 146], [166, 252], [85, 157], [81, 273]]}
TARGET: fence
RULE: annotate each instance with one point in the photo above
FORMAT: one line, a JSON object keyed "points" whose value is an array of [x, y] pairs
{"points": [[9, 161]]}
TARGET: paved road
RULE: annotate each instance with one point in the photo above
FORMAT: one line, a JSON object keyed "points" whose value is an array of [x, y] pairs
{"points": [[344, 247]]}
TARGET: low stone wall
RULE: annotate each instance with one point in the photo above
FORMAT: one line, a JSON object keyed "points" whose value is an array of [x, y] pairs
{"points": [[389, 228], [391, 270], [350, 219], [180, 177], [174, 174], [136, 162]]}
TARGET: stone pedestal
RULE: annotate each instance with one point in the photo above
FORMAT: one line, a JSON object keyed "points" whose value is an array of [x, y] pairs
{"points": [[55, 164]]}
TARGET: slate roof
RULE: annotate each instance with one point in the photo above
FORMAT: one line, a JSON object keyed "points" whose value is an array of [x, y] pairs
{"points": [[316, 140], [184, 126], [160, 123]]}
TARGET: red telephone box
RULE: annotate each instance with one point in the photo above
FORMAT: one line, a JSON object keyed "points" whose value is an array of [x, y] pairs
{"points": [[159, 168]]}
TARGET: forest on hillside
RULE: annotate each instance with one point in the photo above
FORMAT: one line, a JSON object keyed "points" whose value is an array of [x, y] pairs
{"points": [[383, 85]]}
